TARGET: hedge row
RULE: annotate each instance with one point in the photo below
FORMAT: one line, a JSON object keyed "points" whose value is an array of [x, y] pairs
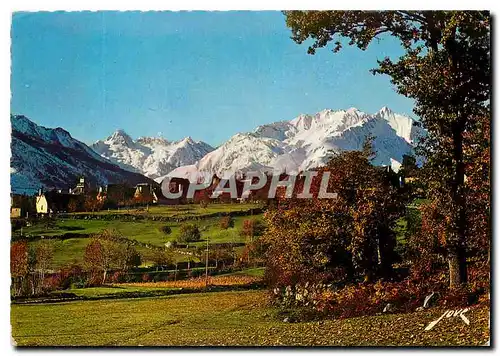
{"points": [[134, 217]]}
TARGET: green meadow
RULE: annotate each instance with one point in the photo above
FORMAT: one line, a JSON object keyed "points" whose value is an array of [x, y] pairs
{"points": [[235, 318], [70, 248]]}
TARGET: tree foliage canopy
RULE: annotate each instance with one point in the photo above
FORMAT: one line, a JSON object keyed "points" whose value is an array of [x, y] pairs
{"points": [[446, 69], [336, 239]]}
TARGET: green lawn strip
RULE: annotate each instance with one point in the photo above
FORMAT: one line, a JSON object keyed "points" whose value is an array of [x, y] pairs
{"points": [[148, 232], [111, 290], [231, 319], [253, 272], [191, 210], [400, 230], [144, 231]]}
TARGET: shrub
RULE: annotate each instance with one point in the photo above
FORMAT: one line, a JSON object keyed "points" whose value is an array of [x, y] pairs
{"points": [[94, 279], [252, 228], [70, 275], [16, 224], [117, 277], [226, 222], [161, 257], [355, 231], [167, 230], [362, 299], [51, 283], [352, 300], [195, 273], [189, 233]]}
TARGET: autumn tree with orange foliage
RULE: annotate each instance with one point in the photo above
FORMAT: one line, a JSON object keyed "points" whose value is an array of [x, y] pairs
{"points": [[430, 245], [107, 250], [91, 203], [19, 266], [446, 70], [343, 239]]}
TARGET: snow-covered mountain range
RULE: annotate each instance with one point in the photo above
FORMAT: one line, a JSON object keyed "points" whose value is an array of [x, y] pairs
{"points": [[51, 158], [308, 141], [151, 156], [43, 157]]}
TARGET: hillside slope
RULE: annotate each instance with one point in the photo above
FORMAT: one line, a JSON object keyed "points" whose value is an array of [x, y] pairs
{"points": [[51, 158]]}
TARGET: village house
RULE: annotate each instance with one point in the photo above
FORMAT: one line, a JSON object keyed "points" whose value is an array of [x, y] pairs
{"points": [[226, 196], [145, 194], [115, 195], [81, 188], [15, 211], [42, 204], [21, 205], [56, 202]]}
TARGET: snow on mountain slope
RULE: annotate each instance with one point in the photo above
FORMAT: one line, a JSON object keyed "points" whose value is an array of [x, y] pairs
{"points": [[404, 126], [309, 141], [57, 136], [51, 158], [242, 151], [151, 156]]}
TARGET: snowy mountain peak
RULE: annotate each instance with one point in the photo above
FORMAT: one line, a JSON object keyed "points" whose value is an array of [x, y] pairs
{"points": [[118, 133], [308, 141], [51, 158], [152, 141], [353, 111], [385, 111], [151, 156], [59, 137], [22, 124], [188, 141], [405, 127], [120, 137]]}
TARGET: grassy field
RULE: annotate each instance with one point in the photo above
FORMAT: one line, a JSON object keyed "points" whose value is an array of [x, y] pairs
{"points": [[247, 277], [71, 250], [112, 290], [198, 283], [227, 318], [253, 272], [145, 231], [191, 210], [143, 314]]}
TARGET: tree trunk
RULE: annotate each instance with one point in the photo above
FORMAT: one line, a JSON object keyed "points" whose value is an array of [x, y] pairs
{"points": [[386, 245], [20, 285], [104, 276], [349, 267], [457, 260], [42, 279], [457, 268]]}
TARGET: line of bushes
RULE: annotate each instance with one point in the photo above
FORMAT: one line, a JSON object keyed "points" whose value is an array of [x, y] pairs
{"points": [[133, 217]]}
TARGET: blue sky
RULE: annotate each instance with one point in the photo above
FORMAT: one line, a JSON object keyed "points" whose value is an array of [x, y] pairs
{"points": [[207, 75]]}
